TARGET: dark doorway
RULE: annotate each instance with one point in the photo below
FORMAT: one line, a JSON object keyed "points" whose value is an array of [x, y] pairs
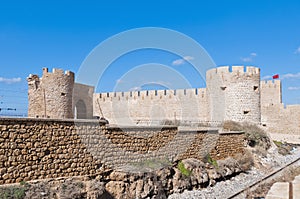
{"points": [[80, 110]]}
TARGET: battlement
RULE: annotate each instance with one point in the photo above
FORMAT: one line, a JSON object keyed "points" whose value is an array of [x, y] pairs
{"points": [[271, 83], [152, 93], [33, 78], [58, 72], [51, 95], [222, 70]]}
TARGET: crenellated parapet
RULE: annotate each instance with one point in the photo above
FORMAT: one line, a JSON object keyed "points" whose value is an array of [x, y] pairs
{"points": [[237, 71], [271, 83], [191, 92]]}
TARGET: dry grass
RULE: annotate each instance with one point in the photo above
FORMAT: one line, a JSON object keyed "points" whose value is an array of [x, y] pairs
{"points": [[242, 161], [255, 136]]}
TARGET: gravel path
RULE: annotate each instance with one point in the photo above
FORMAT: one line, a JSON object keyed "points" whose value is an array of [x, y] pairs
{"points": [[225, 189]]}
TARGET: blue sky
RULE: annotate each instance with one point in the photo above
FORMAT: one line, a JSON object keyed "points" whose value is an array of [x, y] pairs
{"points": [[36, 34]]}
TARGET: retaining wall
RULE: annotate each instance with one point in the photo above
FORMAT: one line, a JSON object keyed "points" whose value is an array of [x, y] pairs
{"points": [[45, 148]]}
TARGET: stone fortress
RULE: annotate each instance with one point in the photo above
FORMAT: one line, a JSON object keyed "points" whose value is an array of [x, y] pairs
{"points": [[232, 93], [51, 144]]}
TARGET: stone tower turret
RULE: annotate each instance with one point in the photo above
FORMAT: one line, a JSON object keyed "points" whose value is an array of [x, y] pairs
{"points": [[270, 92], [51, 95], [234, 95]]}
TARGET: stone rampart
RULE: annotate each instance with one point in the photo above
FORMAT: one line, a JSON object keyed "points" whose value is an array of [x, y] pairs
{"points": [[43, 148], [127, 107]]}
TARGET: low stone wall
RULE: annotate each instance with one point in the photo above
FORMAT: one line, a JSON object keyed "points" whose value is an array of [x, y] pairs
{"points": [[216, 145], [43, 148], [228, 144], [37, 149]]}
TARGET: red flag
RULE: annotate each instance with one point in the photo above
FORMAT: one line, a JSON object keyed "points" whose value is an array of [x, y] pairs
{"points": [[276, 76]]}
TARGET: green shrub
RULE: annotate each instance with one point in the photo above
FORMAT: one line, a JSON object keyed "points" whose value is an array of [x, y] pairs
{"points": [[283, 148], [278, 143], [183, 170], [211, 161]]}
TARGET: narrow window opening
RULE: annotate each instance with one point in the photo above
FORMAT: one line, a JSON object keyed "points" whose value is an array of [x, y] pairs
{"points": [[246, 112], [139, 93], [223, 88], [255, 88], [155, 92], [196, 91], [184, 91], [107, 94], [63, 94], [165, 92], [174, 92]]}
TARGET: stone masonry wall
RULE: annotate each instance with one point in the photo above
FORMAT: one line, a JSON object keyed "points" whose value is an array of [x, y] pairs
{"points": [[280, 119], [270, 92], [230, 95], [276, 118], [218, 146], [129, 107], [234, 95], [83, 101], [51, 95], [43, 148]]}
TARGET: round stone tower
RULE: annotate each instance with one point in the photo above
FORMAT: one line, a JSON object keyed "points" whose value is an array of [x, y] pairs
{"points": [[51, 95], [234, 95]]}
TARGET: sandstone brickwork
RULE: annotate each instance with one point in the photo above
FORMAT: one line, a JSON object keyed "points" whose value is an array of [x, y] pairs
{"points": [[230, 95], [55, 95], [83, 101], [234, 95], [276, 117], [51, 95], [133, 107], [46, 148]]}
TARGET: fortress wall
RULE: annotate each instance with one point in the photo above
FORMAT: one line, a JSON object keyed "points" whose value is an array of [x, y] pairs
{"points": [[51, 95], [270, 92], [234, 95], [275, 116], [128, 107], [46, 148], [83, 101], [279, 119]]}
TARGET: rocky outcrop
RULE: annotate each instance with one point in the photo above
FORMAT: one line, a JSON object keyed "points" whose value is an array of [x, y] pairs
{"points": [[188, 174]]}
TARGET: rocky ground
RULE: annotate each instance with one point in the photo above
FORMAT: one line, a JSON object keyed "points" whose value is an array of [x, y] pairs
{"points": [[188, 174], [171, 182], [227, 188]]}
